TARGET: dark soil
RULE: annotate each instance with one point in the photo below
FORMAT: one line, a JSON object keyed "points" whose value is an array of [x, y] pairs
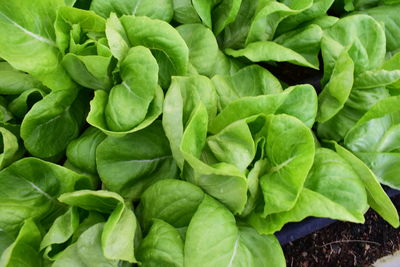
{"points": [[346, 244]]}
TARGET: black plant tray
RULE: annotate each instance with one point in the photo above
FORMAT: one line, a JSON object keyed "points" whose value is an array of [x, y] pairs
{"points": [[293, 231]]}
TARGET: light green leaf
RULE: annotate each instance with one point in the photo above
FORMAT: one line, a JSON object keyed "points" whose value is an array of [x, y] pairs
{"points": [[336, 92], [321, 207], [181, 99], [379, 78], [290, 151], [118, 234], [268, 17], [90, 71], [270, 51], [96, 116], [116, 37], [158, 35], [387, 14], [74, 21], [203, 47], [315, 11], [14, 82], [377, 198], [128, 103], [305, 41], [162, 10], [234, 145], [27, 32], [215, 180], [378, 130], [358, 103], [286, 102], [363, 36], [214, 238], [252, 80]]}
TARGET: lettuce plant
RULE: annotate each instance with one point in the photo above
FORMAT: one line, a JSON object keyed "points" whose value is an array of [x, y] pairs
{"points": [[157, 133]]}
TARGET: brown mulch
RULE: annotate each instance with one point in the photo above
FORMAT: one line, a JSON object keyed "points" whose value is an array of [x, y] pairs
{"points": [[346, 244]]}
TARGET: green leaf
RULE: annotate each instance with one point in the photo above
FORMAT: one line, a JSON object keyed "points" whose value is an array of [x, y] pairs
{"points": [[27, 32], [119, 233], [24, 102], [305, 41], [290, 152], [53, 122], [203, 47], [81, 152], [162, 10], [213, 237], [378, 130], [96, 116], [224, 14], [60, 232], [379, 78], [86, 251], [252, 80], [270, 51], [117, 238], [184, 12], [29, 189], [214, 180], [69, 20], [315, 11], [321, 207], [129, 172], [363, 36], [204, 8], [128, 103], [24, 251], [10, 148], [159, 35], [336, 92], [162, 246], [268, 17], [181, 99], [286, 102], [116, 37], [173, 201], [333, 177], [358, 103], [89, 71], [387, 14], [234, 145], [14, 82], [377, 198]]}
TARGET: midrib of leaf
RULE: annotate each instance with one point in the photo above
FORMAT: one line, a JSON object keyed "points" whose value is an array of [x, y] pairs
{"points": [[137, 4], [150, 160], [234, 253], [26, 31], [37, 188], [280, 166]]}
